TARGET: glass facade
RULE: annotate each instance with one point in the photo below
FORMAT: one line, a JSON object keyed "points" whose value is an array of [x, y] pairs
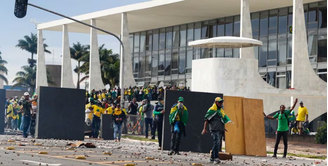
{"points": [[163, 55]]}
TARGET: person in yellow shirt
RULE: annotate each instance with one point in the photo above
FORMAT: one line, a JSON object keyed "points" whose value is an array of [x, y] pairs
{"points": [[97, 111], [9, 115], [118, 117], [301, 116], [16, 109], [110, 110]]}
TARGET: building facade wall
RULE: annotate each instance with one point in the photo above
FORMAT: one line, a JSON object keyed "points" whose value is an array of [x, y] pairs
{"points": [[55, 73], [163, 55]]}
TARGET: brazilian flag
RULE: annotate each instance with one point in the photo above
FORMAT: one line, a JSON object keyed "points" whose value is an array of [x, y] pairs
{"points": [[213, 111], [182, 113]]}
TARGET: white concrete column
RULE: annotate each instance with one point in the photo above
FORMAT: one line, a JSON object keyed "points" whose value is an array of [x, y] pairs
{"points": [[95, 81], [126, 74], [1, 81], [66, 68], [41, 70], [246, 29], [303, 76]]}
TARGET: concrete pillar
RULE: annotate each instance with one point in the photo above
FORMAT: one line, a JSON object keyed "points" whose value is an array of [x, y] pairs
{"points": [[127, 73], [303, 76], [66, 68], [41, 71], [1, 81], [95, 81], [246, 29]]}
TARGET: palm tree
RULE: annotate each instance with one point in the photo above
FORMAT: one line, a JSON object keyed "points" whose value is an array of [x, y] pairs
{"points": [[78, 52], [29, 44], [109, 66], [3, 69], [27, 78]]}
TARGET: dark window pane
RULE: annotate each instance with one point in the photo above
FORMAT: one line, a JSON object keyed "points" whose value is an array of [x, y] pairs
{"points": [[220, 52], [167, 63], [282, 52], [228, 26], [290, 48], [149, 40], [236, 52], [154, 71], [322, 50], [271, 77], [136, 42], [142, 41], [255, 24], [289, 79], [136, 64], [272, 63], [212, 29], [236, 26], [323, 77], [273, 22], [312, 18], [131, 42], [197, 31], [322, 14], [190, 33], [312, 45], [272, 49], [161, 61], [148, 63], [263, 54], [142, 67], [175, 60], [282, 21], [155, 39], [182, 62], [220, 27], [290, 16], [176, 37], [204, 30], [281, 82], [168, 38], [183, 35], [189, 59], [264, 24], [162, 39], [228, 52]]}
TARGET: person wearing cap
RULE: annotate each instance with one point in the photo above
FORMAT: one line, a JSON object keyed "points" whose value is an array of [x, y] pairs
{"points": [[301, 116], [178, 119], [147, 110], [118, 117], [26, 110], [215, 118], [97, 111], [158, 121], [283, 127]]}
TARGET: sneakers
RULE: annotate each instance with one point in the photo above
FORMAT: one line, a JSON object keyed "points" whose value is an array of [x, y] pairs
{"points": [[215, 161], [274, 156], [171, 153], [177, 153]]}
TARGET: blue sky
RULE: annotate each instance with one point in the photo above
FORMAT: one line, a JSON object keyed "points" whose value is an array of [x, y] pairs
{"points": [[13, 29]]}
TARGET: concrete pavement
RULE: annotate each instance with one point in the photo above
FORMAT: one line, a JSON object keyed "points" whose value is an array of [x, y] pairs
{"points": [[126, 152]]}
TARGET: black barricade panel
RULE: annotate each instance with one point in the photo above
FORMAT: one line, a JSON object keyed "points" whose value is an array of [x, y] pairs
{"points": [[2, 110], [61, 113], [197, 104], [107, 130]]}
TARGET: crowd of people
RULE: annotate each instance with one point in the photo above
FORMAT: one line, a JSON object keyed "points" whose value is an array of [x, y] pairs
{"points": [[21, 114]]}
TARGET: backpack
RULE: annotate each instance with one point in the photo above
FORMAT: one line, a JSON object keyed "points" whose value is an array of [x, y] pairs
{"points": [[286, 118]]}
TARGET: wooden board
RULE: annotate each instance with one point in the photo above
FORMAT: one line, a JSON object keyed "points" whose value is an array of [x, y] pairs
{"points": [[254, 130], [235, 140]]}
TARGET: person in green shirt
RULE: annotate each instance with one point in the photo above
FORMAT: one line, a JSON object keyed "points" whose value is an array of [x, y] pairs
{"points": [[283, 123]]}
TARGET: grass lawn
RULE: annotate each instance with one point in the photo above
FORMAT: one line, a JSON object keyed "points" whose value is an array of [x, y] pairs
{"points": [[139, 138], [302, 155]]}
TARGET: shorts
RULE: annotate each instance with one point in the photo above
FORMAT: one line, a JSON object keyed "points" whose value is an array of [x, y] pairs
{"points": [[299, 124]]}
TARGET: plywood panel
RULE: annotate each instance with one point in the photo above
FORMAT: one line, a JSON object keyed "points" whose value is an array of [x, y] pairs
{"points": [[234, 141], [255, 143]]}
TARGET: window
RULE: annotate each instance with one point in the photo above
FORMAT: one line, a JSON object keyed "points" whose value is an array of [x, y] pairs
{"points": [[273, 22], [236, 52], [281, 80], [189, 59], [142, 67], [228, 26], [282, 21], [183, 35], [289, 79], [190, 32], [149, 40], [155, 39], [322, 14], [131, 42], [290, 16], [142, 41], [282, 52], [148, 63], [162, 39], [271, 76], [236, 26], [312, 45], [136, 42], [272, 49], [204, 30], [154, 71], [228, 52], [220, 27], [136, 63], [220, 52], [264, 24], [206, 53], [255, 24], [161, 61], [263, 53], [182, 62], [323, 74], [169, 38], [175, 59], [312, 18], [322, 49], [197, 31], [176, 37], [256, 52], [290, 48], [167, 68], [212, 29]]}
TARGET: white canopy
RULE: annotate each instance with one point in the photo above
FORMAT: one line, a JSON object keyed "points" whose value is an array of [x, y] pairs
{"points": [[225, 42]]}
